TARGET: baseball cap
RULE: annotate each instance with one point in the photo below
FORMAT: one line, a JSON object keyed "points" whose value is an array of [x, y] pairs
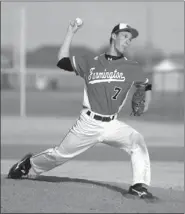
{"points": [[125, 27]]}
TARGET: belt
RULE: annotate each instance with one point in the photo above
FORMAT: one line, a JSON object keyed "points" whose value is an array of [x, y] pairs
{"points": [[98, 117]]}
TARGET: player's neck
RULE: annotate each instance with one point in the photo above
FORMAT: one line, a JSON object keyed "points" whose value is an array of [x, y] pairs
{"points": [[112, 52]]}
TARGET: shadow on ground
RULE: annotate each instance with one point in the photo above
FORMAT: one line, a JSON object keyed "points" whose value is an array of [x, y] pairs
{"points": [[113, 187]]}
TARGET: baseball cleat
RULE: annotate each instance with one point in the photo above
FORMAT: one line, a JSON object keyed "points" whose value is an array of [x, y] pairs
{"points": [[21, 168], [141, 192]]}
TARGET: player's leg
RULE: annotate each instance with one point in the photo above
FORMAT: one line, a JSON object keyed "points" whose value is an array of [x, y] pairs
{"points": [[83, 135], [71, 146], [123, 136]]}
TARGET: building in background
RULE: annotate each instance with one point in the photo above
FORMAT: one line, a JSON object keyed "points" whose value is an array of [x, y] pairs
{"points": [[168, 75]]}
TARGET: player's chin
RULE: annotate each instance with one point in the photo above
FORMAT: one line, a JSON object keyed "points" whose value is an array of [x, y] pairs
{"points": [[123, 49]]}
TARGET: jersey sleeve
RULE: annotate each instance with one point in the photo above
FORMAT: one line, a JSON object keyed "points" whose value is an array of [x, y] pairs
{"points": [[79, 64]]}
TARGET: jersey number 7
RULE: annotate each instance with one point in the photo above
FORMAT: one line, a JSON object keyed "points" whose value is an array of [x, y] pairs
{"points": [[117, 92]]}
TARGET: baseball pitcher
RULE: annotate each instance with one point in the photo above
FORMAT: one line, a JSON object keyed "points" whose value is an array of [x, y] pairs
{"points": [[108, 79]]}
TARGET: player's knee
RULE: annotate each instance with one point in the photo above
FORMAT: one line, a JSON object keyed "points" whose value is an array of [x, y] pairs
{"points": [[64, 149], [63, 152], [138, 140], [69, 149], [137, 136]]}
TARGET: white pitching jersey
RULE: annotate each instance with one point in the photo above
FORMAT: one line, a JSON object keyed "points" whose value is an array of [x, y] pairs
{"points": [[107, 83]]}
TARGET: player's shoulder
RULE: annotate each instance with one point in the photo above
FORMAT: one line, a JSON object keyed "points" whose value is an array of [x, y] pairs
{"points": [[93, 59], [131, 61], [97, 57], [86, 55], [90, 57], [129, 64]]}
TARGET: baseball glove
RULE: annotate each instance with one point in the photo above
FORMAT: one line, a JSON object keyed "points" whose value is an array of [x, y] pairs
{"points": [[138, 100]]}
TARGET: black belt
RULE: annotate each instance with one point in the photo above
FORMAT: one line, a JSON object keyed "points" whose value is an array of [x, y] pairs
{"points": [[98, 117]]}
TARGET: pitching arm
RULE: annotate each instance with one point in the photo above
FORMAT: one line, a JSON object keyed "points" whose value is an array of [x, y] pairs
{"points": [[65, 47]]}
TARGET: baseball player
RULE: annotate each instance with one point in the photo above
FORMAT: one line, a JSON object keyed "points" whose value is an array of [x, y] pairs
{"points": [[108, 79]]}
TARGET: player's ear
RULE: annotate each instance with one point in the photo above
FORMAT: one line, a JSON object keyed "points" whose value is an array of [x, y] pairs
{"points": [[113, 36]]}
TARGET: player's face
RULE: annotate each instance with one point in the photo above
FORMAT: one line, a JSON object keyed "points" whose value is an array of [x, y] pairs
{"points": [[122, 41]]}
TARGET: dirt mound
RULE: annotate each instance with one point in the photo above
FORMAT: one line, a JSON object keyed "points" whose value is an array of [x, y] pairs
{"points": [[67, 195]]}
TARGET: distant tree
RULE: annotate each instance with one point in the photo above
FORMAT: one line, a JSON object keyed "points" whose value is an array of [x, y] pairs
{"points": [[46, 56], [82, 50], [147, 54], [6, 63], [6, 57], [5, 83]]}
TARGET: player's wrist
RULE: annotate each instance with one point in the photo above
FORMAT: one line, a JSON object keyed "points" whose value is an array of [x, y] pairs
{"points": [[145, 108], [148, 87], [70, 34]]}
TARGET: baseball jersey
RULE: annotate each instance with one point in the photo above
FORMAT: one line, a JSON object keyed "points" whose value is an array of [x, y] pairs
{"points": [[107, 82]]}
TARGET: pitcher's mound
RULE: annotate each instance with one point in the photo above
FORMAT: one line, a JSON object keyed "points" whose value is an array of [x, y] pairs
{"points": [[66, 195]]}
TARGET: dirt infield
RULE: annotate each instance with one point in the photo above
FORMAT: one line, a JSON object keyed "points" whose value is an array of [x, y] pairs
{"points": [[67, 195]]}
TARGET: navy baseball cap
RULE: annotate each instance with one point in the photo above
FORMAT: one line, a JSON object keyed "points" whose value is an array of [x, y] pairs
{"points": [[125, 27]]}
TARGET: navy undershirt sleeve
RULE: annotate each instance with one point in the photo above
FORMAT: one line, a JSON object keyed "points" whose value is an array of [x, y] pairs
{"points": [[65, 64]]}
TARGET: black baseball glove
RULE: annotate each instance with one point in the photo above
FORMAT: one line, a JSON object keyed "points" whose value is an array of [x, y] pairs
{"points": [[138, 99]]}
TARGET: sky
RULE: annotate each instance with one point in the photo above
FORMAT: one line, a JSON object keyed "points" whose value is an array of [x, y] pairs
{"points": [[47, 22]]}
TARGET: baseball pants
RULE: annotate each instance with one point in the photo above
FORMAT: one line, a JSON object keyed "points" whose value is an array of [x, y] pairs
{"points": [[86, 133]]}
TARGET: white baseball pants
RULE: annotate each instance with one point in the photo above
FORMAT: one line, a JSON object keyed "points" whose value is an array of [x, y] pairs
{"points": [[87, 132]]}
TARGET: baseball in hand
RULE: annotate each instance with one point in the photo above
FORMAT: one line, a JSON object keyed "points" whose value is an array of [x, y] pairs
{"points": [[79, 22]]}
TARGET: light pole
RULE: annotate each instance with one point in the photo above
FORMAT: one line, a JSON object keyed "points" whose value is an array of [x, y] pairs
{"points": [[23, 62], [148, 45]]}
